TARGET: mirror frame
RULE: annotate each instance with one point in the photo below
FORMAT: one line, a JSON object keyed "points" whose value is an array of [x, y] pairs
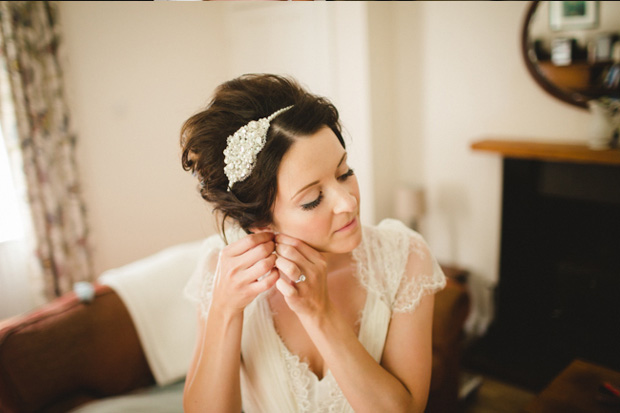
{"points": [[573, 98]]}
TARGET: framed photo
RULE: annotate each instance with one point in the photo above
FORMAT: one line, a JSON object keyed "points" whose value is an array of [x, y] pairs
{"points": [[571, 15]]}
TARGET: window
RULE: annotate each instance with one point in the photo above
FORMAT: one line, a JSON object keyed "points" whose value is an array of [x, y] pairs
{"points": [[21, 282], [11, 222]]}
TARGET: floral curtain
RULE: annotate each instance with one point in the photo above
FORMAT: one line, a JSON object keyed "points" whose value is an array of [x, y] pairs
{"points": [[32, 94]]}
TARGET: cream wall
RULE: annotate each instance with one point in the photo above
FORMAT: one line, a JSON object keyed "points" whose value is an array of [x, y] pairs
{"points": [[476, 86], [133, 78], [444, 75], [395, 43], [417, 83], [136, 70]]}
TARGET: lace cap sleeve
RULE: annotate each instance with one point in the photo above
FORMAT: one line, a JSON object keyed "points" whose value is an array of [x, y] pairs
{"points": [[199, 288], [421, 273]]}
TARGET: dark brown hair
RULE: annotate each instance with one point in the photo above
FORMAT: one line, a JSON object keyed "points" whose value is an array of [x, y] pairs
{"points": [[234, 104]]}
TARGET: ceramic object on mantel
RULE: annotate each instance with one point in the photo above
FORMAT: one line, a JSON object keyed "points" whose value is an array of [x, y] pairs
{"points": [[605, 122]]}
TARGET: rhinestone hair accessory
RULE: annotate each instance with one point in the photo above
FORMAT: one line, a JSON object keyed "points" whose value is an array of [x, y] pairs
{"points": [[243, 146]]}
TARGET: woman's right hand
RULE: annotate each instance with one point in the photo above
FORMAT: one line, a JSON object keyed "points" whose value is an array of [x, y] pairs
{"points": [[239, 267]]}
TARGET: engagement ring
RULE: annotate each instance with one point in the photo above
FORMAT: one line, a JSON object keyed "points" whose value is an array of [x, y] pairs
{"points": [[301, 279]]}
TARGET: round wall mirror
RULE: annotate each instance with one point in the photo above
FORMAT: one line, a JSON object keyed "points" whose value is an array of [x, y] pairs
{"points": [[572, 48]]}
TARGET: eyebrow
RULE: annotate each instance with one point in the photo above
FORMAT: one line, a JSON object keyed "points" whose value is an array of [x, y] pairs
{"points": [[316, 182]]}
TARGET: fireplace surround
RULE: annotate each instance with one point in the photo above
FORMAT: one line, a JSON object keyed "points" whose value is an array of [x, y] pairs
{"points": [[558, 295]]}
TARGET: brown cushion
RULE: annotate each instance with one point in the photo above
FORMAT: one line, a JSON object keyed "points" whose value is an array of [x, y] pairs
{"points": [[450, 312], [69, 350]]}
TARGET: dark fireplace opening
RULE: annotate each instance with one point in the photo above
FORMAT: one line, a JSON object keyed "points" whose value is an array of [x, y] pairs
{"points": [[558, 296]]}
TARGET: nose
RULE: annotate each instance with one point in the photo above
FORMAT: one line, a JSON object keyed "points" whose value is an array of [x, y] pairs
{"points": [[345, 201]]}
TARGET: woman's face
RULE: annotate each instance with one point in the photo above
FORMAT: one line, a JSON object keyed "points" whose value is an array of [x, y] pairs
{"points": [[318, 198]]}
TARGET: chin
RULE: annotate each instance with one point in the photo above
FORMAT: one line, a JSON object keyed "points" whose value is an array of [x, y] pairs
{"points": [[345, 245]]}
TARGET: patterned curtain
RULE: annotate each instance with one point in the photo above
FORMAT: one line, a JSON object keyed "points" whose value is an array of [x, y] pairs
{"points": [[32, 91]]}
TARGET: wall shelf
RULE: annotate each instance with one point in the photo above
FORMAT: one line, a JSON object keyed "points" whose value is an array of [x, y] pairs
{"points": [[558, 152]]}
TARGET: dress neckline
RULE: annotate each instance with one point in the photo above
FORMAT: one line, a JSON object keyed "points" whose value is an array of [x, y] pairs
{"points": [[301, 364]]}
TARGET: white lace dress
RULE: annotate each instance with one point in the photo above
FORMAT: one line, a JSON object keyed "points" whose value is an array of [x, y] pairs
{"points": [[396, 268]]}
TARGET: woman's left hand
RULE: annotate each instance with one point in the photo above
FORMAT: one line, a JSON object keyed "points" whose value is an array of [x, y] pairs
{"points": [[308, 297]]}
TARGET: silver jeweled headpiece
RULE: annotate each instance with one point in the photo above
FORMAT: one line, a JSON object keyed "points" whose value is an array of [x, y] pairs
{"points": [[243, 146]]}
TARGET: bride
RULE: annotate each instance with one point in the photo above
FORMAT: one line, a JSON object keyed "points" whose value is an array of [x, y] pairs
{"points": [[301, 307]]}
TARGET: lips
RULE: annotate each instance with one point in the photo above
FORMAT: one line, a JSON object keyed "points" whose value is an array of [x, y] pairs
{"points": [[349, 225]]}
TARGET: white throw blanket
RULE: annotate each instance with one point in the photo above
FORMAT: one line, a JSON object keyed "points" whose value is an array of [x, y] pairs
{"points": [[152, 290]]}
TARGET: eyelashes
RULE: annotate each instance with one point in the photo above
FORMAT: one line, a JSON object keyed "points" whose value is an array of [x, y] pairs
{"points": [[311, 205], [346, 175]]}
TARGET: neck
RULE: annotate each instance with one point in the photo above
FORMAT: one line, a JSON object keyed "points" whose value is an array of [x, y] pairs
{"points": [[337, 261]]}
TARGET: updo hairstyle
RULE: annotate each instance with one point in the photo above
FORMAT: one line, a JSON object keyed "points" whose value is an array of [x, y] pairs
{"points": [[234, 104]]}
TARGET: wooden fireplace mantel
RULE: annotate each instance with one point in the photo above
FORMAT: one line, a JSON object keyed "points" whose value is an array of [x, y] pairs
{"points": [[558, 152]]}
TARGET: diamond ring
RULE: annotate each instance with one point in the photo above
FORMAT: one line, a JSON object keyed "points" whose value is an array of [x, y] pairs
{"points": [[301, 279]]}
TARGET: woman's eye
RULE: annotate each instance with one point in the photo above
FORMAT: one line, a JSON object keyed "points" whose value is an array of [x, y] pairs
{"points": [[313, 204], [346, 175]]}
